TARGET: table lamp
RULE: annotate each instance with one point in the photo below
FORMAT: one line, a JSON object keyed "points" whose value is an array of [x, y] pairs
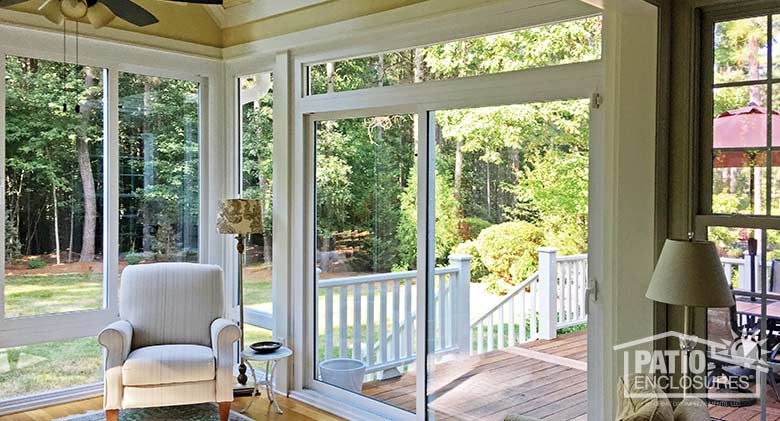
{"points": [[240, 217], [689, 274]]}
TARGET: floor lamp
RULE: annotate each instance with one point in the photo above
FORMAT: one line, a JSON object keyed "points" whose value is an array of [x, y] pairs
{"points": [[689, 274], [240, 217]]}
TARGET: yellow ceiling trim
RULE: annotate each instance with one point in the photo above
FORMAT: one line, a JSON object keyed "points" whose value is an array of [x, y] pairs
{"points": [[307, 18]]}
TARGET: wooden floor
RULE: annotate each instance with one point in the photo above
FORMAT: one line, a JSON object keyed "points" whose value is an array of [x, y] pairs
{"points": [[542, 379], [260, 410], [750, 413]]}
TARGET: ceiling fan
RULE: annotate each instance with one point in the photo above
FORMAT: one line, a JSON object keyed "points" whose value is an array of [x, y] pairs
{"points": [[98, 12]]}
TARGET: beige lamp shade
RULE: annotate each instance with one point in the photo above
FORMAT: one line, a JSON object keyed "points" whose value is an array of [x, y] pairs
{"points": [[689, 273], [239, 216]]}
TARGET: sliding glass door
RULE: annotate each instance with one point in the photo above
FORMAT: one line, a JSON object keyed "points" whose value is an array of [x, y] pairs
{"points": [[366, 256]]}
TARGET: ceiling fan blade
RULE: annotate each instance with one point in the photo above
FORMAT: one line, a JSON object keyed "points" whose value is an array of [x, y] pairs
{"points": [[6, 3], [199, 1], [130, 12]]}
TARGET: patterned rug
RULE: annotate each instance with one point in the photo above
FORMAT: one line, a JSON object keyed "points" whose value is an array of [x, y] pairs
{"points": [[199, 412]]}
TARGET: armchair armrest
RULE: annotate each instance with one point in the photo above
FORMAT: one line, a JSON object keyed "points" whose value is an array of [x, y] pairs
{"points": [[116, 338], [224, 333]]}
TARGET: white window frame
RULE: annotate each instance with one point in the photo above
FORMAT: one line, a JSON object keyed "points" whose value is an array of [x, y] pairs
{"points": [[569, 81], [114, 57]]}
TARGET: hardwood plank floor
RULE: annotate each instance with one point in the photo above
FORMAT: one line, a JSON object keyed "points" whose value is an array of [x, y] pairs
{"points": [[261, 410]]}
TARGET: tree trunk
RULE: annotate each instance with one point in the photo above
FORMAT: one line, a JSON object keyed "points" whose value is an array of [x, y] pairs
{"points": [[87, 178], [148, 154], [458, 169], [755, 90], [330, 72], [70, 234], [56, 224]]}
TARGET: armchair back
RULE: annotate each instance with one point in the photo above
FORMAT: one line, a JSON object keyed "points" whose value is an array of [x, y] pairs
{"points": [[171, 303]]}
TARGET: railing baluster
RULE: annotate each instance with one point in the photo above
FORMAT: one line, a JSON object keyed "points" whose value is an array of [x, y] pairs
{"points": [[490, 333], [500, 327], [396, 319], [480, 335], [511, 305], [439, 303], [561, 291], [523, 320], [328, 323], [448, 311], [408, 324], [370, 324], [569, 283], [357, 331], [532, 313], [343, 321], [383, 322]]}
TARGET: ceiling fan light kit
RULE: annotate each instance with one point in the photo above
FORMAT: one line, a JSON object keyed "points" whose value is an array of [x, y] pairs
{"points": [[98, 12], [99, 15], [50, 9]]}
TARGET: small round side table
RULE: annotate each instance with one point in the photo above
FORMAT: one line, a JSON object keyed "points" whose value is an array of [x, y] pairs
{"points": [[248, 355]]}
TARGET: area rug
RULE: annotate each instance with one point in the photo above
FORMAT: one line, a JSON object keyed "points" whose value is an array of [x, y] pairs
{"points": [[199, 412]]}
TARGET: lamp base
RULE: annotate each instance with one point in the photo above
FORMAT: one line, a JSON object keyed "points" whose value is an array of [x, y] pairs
{"points": [[242, 378]]}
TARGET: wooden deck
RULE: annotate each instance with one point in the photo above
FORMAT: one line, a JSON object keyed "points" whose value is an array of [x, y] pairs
{"points": [[542, 379]]}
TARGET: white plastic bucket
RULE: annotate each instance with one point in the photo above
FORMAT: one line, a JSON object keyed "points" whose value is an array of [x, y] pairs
{"points": [[344, 372]]}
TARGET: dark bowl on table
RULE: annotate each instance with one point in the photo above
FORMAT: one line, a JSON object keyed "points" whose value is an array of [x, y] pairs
{"points": [[265, 347]]}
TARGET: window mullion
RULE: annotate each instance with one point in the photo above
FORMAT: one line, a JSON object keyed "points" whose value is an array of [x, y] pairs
{"points": [[111, 191]]}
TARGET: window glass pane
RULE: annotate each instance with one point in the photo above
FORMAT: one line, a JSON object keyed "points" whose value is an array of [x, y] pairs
{"points": [[257, 183], [158, 169], [511, 189], [254, 334], [54, 187], [559, 43], [735, 255], [49, 366], [366, 228], [742, 252], [740, 50], [739, 182]]}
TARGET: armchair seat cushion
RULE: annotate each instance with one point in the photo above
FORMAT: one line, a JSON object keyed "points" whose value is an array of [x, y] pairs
{"points": [[168, 364]]}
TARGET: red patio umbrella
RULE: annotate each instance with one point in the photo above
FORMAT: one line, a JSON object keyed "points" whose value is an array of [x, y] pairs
{"points": [[743, 128]]}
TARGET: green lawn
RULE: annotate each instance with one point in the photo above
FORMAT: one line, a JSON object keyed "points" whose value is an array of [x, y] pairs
{"points": [[35, 368], [30, 295], [55, 365]]}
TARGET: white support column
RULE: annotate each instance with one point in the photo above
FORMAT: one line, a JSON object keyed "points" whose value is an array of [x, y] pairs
{"points": [[461, 310], [548, 283]]}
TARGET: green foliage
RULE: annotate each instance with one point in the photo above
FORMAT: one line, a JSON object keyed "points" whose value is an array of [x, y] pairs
{"points": [[447, 223], [509, 250], [473, 226], [478, 269], [35, 264], [134, 258]]}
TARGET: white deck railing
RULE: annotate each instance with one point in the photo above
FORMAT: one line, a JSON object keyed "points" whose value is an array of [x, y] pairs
{"points": [[375, 317], [549, 299]]}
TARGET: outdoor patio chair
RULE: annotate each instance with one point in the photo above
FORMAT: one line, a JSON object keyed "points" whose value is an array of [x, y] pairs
{"points": [[723, 327], [171, 345]]}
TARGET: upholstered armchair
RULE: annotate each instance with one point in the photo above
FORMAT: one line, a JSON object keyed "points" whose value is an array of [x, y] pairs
{"points": [[171, 345]]}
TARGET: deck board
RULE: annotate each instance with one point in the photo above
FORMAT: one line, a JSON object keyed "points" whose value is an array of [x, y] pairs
{"points": [[502, 382]]}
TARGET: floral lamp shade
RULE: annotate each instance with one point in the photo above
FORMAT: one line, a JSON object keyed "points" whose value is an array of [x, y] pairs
{"points": [[239, 216]]}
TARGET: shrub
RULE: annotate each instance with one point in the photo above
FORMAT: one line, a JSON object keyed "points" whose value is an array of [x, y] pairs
{"points": [[478, 269], [35, 264], [133, 258], [474, 226], [509, 250]]}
